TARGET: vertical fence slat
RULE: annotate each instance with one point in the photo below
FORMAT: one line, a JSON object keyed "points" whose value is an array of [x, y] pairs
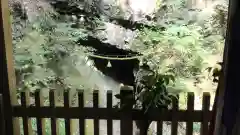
{"points": [[95, 105], [54, 125], [67, 120], [126, 123], [205, 110], [159, 127], [24, 119], [27, 125], [174, 122], [40, 121], [81, 105], [109, 106], [2, 120], [190, 109]]}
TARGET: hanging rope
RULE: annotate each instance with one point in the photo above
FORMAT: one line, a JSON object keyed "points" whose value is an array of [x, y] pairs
{"points": [[108, 57], [114, 57]]}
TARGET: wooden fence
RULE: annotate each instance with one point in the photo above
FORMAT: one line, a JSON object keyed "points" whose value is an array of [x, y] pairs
{"points": [[126, 116]]}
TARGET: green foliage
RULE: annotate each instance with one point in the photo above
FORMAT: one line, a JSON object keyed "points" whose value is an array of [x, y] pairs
{"points": [[176, 49], [182, 48], [157, 95], [151, 90], [178, 43], [45, 44]]}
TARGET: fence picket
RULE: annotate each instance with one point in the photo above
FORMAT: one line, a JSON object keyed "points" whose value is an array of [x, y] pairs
{"points": [[81, 105], [27, 125], [159, 127], [95, 105], [67, 120], [109, 106], [54, 121], [126, 123], [190, 109], [205, 110], [174, 122], [41, 128]]}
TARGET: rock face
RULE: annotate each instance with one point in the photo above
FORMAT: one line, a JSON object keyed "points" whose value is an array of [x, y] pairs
{"points": [[138, 8], [119, 36], [31, 8], [120, 70], [116, 36], [115, 42]]}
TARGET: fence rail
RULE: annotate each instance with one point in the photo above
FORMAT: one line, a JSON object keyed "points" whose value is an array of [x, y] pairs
{"points": [[126, 116]]}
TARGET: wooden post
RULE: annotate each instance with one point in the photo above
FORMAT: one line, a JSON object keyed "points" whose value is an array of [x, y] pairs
{"points": [[41, 127], [95, 105], [190, 109], [228, 114], [68, 124], [81, 105], [2, 122], [217, 107], [126, 124], [27, 125], [54, 120], [174, 122], [8, 82], [109, 106], [205, 109]]}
